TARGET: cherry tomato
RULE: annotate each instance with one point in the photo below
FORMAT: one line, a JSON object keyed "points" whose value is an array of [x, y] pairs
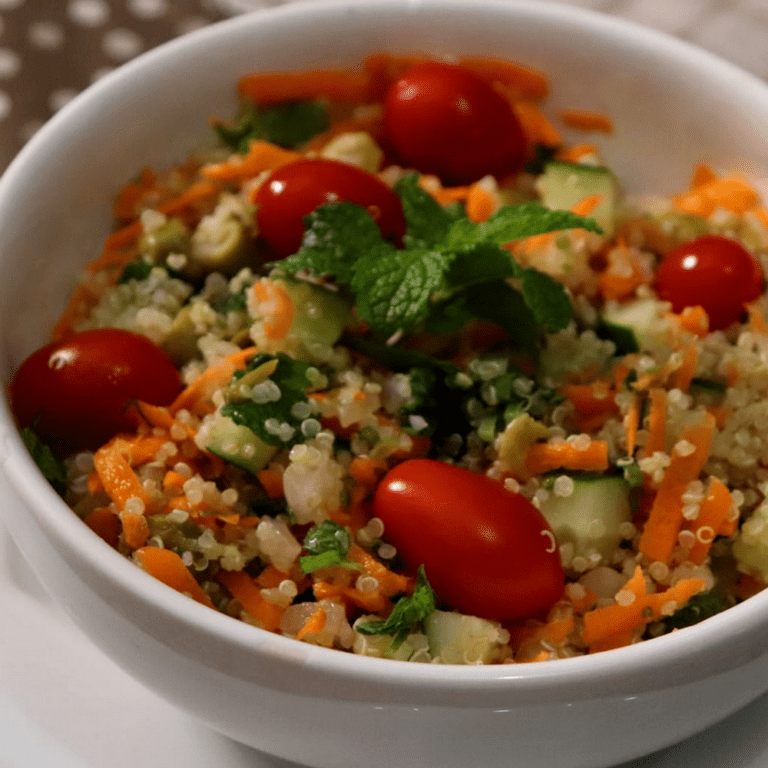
{"points": [[713, 272], [75, 392], [446, 120], [486, 551], [293, 191]]}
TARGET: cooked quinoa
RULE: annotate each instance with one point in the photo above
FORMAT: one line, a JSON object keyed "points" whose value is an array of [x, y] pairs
{"points": [[261, 477]]}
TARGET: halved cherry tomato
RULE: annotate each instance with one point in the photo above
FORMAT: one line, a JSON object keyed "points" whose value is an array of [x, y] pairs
{"points": [[75, 392], [713, 272], [446, 120], [293, 191], [486, 551]]}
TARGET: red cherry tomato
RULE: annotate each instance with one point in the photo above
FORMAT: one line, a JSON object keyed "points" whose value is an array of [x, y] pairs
{"points": [[713, 272], [486, 551], [293, 191], [446, 120], [75, 392]]}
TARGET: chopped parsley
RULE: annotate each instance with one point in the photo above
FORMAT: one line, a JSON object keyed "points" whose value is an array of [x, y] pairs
{"points": [[327, 545], [289, 124], [446, 271], [408, 614], [276, 408], [48, 464], [698, 608]]}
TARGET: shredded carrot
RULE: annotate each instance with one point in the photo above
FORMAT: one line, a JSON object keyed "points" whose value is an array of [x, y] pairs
{"points": [[279, 319], [243, 588], [334, 84], [168, 567], [683, 375], [632, 423], [82, 301], [135, 529], [272, 482], [271, 577], [586, 120], [729, 192], [702, 174], [366, 471], [714, 511], [211, 379], [443, 195], [666, 515], [544, 457], [524, 81], [576, 153], [116, 475], [613, 625], [480, 203], [314, 624], [390, 583], [623, 275], [261, 156], [757, 321], [694, 320], [590, 399], [104, 522], [657, 422], [174, 480], [537, 127]]}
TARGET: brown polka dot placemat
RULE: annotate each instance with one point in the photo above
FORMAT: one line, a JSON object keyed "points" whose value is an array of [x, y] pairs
{"points": [[52, 49]]}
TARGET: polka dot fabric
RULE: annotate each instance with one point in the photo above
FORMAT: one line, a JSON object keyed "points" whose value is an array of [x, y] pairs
{"points": [[50, 50]]}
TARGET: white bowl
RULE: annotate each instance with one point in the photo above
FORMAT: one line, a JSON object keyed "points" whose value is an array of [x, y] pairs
{"points": [[672, 106]]}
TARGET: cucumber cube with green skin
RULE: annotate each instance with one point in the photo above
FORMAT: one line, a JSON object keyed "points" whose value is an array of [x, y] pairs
{"points": [[643, 318], [562, 185], [591, 516], [456, 638], [236, 444]]}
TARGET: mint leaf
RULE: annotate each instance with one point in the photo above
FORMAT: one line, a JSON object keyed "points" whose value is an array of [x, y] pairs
{"points": [[408, 613], [427, 221], [394, 288], [47, 463], [513, 222], [547, 299], [288, 124], [336, 236], [327, 545], [278, 407], [481, 264]]}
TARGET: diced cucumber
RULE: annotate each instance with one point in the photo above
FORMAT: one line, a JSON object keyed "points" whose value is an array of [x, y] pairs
{"points": [[643, 318], [590, 517], [562, 185], [319, 313], [455, 638], [234, 443]]}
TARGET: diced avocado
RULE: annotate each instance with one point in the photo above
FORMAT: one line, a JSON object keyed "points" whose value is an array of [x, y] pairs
{"points": [[455, 638], [562, 185], [590, 517], [234, 443], [643, 318]]}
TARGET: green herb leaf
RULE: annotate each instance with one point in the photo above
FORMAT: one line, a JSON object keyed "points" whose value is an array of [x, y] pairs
{"points": [[513, 222], [394, 288], [327, 545], [408, 613], [337, 236], [288, 124], [277, 414], [48, 464], [699, 607], [427, 221], [547, 299]]}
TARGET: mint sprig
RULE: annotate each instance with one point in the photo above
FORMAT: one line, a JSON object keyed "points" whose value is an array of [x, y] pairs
{"points": [[446, 266], [327, 544]]}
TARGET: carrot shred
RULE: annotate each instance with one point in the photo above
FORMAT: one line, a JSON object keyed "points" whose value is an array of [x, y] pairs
{"points": [[544, 457], [211, 379], [116, 474], [243, 588], [480, 203], [657, 422], [537, 127], [586, 120], [525, 82], [335, 84], [261, 156], [632, 423], [613, 625], [366, 471], [666, 515], [277, 323], [104, 522], [390, 583], [272, 482], [702, 174], [166, 566], [757, 321], [623, 275], [683, 375], [728, 192], [694, 320], [135, 529], [714, 511], [314, 624], [576, 153]]}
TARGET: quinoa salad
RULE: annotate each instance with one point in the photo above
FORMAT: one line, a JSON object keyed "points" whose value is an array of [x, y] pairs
{"points": [[411, 381]]}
